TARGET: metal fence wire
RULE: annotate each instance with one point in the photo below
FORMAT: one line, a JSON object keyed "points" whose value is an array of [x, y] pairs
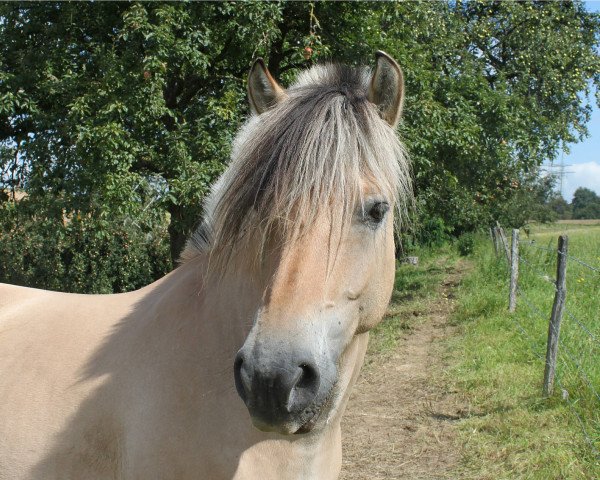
{"points": [[571, 364], [565, 393], [533, 244]]}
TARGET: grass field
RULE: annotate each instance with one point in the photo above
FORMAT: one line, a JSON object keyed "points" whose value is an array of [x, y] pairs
{"points": [[515, 433], [579, 368]]}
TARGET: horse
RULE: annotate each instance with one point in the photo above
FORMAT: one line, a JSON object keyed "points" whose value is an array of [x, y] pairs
{"points": [[239, 363]]}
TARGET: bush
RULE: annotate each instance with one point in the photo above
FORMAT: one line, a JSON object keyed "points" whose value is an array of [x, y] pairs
{"points": [[466, 244], [45, 248], [432, 232]]}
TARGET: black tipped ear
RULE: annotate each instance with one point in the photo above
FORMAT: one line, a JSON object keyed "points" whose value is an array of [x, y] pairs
{"points": [[387, 88], [263, 91]]}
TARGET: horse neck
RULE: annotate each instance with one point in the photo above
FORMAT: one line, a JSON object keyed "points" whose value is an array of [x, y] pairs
{"points": [[211, 314]]}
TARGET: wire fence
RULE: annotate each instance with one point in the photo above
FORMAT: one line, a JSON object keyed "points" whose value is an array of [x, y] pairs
{"points": [[533, 244], [572, 357]]}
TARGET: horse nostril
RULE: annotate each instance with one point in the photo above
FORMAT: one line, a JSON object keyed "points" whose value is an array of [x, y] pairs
{"points": [[308, 377], [238, 375], [304, 388]]}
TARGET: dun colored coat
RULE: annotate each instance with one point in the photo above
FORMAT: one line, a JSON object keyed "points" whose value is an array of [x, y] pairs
{"points": [[239, 363]]}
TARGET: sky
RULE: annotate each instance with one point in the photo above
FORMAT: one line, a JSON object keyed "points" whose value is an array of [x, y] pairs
{"points": [[584, 157]]}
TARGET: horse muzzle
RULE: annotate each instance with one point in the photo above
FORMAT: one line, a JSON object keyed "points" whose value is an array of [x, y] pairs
{"points": [[284, 389]]}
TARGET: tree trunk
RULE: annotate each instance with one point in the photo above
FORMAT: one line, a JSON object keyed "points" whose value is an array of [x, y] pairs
{"points": [[177, 232]]}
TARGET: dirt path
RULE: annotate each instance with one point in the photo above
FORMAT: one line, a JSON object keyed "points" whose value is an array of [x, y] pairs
{"points": [[400, 420]]}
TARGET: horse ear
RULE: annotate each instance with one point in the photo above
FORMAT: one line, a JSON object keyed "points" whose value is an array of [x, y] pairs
{"points": [[387, 88], [263, 91]]}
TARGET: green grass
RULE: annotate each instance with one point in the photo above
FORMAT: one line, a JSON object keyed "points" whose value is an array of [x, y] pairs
{"points": [[513, 432], [414, 288], [579, 354]]}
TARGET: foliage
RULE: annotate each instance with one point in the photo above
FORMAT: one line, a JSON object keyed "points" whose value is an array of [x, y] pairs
{"points": [[115, 110], [100, 99], [431, 231], [560, 207], [466, 244], [45, 248], [531, 202], [586, 204]]}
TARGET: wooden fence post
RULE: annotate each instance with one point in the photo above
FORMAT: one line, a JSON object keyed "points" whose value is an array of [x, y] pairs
{"points": [[514, 270], [504, 242], [557, 312], [494, 241]]}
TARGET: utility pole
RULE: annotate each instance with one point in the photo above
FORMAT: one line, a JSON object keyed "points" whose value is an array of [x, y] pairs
{"points": [[559, 171]]}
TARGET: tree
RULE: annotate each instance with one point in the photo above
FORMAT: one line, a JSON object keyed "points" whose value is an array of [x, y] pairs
{"points": [[492, 92], [585, 204], [125, 112], [44, 248], [110, 106], [560, 206]]}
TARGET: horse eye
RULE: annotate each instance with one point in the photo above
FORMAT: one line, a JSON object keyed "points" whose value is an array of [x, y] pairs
{"points": [[378, 211]]}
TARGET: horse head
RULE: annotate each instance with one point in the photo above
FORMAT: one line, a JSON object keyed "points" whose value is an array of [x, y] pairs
{"points": [[316, 178]]}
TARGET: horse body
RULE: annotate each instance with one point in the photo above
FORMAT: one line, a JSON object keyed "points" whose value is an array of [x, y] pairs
{"points": [[159, 403], [238, 364], [45, 338]]}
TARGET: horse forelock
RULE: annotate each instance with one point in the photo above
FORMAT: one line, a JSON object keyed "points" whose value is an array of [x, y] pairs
{"points": [[310, 153]]}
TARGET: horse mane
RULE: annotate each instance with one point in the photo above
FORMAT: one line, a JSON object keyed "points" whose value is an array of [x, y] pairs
{"points": [[307, 154]]}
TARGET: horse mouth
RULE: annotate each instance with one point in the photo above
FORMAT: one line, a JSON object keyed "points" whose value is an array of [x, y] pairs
{"points": [[309, 424], [314, 413]]}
